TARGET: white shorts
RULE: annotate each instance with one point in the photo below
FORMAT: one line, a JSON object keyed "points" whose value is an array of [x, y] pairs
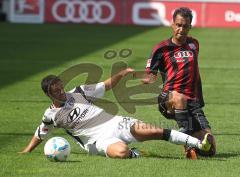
{"points": [[115, 130]]}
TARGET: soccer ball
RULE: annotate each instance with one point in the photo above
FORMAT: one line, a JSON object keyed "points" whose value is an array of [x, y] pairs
{"points": [[57, 149]]}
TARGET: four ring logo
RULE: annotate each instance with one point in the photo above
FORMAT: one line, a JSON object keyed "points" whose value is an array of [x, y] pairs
{"points": [[183, 54], [83, 11], [73, 115]]}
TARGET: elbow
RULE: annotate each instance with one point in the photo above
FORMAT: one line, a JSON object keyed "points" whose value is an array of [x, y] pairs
{"points": [[108, 85]]}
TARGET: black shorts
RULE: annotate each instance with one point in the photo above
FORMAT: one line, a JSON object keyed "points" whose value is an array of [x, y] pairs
{"points": [[199, 120]]}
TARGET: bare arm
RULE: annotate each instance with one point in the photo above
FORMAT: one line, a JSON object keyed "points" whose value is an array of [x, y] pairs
{"points": [[32, 145], [112, 81], [149, 78], [41, 132]]}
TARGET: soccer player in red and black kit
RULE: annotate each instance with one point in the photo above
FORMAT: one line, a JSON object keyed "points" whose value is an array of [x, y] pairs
{"points": [[181, 99]]}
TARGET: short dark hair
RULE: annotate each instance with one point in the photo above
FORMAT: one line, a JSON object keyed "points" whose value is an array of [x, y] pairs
{"points": [[48, 81], [184, 12]]}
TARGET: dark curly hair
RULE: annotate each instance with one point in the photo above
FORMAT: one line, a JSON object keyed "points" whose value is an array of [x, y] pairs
{"points": [[184, 12], [48, 81]]}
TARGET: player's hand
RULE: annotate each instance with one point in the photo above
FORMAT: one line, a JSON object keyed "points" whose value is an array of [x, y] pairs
{"points": [[148, 79], [23, 152], [145, 80], [129, 71]]}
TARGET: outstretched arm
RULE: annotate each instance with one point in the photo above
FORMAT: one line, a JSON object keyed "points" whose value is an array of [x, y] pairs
{"points": [[32, 145], [42, 131], [112, 81]]}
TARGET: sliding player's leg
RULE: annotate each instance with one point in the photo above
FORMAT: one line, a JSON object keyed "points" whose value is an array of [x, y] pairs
{"points": [[121, 150], [114, 142], [143, 132], [115, 145]]}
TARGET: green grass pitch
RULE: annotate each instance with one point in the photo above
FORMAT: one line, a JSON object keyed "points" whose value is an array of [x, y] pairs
{"points": [[29, 52]]}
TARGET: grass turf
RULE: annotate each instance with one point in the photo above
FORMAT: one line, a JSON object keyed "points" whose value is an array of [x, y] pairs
{"points": [[29, 52]]}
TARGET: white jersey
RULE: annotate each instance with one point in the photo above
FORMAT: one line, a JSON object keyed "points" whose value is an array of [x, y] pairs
{"points": [[78, 116]]}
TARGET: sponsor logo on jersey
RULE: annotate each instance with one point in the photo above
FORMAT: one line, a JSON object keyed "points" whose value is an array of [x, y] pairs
{"points": [[75, 115], [183, 54]]}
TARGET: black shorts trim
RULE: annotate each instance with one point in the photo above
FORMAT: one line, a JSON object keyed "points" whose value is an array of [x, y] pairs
{"points": [[162, 100]]}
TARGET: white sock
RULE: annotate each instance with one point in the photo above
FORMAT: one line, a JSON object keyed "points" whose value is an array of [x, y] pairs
{"points": [[184, 139]]}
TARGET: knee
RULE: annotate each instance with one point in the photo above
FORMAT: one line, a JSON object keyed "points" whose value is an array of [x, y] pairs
{"points": [[119, 150], [179, 100], [122, 151]]}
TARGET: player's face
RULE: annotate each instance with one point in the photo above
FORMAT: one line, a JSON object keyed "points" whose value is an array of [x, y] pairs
{"points": [[57, 92], [181, 27]]}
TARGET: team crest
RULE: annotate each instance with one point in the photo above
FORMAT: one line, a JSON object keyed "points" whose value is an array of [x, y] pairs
{"points": [[192, 46], [70, 102]]}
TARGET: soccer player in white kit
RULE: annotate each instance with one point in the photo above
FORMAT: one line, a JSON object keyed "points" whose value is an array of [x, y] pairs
{"points": [[95, 130]]}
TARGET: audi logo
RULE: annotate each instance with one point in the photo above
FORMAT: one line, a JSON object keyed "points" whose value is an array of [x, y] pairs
{"points": [[83, 11], [183, 54]]}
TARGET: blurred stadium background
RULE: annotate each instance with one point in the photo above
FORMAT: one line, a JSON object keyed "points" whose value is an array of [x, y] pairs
{"points": [[40, 37]]}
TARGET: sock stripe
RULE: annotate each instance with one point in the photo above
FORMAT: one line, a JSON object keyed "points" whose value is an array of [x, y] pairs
{"points": [[186, 143], [180, 110], [166, 134]]}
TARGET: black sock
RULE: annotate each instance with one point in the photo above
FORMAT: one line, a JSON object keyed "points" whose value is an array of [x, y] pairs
{"points": [[183, 120], [166, 134]]}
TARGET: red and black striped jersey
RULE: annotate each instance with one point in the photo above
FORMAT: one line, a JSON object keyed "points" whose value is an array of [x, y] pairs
{"points": [[178, 66]]}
